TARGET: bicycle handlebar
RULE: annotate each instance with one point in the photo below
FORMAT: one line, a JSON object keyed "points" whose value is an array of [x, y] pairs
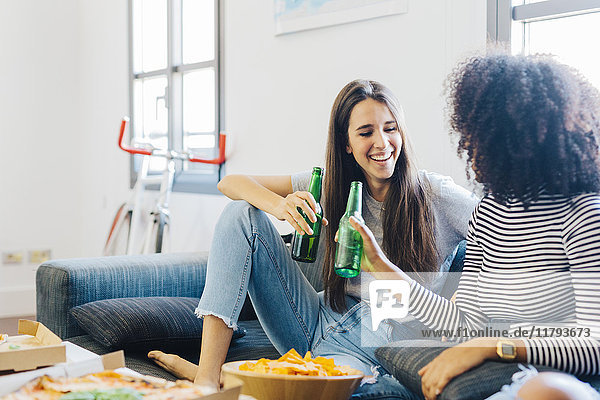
{"points": [[158, 152], [220, 159], [131, 150]]}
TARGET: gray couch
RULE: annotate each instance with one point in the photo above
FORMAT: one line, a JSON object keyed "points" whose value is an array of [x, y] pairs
{"points": [[64, 284]]}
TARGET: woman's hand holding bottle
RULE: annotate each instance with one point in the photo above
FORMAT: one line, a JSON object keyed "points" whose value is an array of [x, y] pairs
{"points": [[376, 259], [287, 210]]}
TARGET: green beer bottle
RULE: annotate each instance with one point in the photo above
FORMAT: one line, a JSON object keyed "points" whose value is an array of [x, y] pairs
{"points": [[349, 249], [304, 247]]}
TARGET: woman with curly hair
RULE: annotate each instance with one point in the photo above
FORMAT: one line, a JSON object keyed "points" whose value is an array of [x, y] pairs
{"points": [[529, 128]]}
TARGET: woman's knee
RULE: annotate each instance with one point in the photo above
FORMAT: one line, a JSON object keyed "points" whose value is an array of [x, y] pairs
{"points": [[238, 212], [242, 216]]}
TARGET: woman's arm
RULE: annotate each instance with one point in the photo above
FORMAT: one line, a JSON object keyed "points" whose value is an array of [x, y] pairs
{"points": [[439, 313], [459, 359], [274, 195], [431, 309], [577, 352], [264, 192]]}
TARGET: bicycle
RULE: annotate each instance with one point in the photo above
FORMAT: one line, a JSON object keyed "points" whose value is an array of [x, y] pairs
{"points": [[123, 235]]}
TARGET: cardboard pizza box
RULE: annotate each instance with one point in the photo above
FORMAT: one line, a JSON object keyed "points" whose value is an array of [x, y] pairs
{"points": [[82, 362], [35, 346]]}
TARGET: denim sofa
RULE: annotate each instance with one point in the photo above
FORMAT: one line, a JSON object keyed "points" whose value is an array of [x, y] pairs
{"points": [[64, 284]]}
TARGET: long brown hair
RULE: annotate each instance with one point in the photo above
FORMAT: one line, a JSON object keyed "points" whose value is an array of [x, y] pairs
{"points": [[407, 218]]}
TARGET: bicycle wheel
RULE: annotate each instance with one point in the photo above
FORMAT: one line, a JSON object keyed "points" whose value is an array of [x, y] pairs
{"points": [[118, 236], [161, 244]]}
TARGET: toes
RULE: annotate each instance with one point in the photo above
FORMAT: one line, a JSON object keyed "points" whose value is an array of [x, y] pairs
{"points": [[155, 354], [174, 364]]}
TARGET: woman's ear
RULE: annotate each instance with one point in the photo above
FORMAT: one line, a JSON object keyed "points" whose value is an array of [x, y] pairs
{"points": [[348, 149]]}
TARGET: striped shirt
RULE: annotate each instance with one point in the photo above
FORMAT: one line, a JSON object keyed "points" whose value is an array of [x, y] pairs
{"points": [[536, 267]]}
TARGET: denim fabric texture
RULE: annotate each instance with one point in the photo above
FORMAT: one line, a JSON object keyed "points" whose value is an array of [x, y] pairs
{"points": [[64, 284], [249, 256], [387, 387], [142, 321], [479, 383]]}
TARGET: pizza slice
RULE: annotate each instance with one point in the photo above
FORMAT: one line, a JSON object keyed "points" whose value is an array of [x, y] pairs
{"points": [[107, 385]]}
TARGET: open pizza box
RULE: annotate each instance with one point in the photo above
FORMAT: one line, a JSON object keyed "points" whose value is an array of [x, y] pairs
{"points": [[35, 346], [78, 361]]}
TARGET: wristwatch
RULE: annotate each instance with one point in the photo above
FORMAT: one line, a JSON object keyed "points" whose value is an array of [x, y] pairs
{"points": [[506, 349]]}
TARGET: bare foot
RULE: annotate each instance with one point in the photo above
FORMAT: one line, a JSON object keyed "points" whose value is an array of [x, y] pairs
{"points": [[174, 364]]}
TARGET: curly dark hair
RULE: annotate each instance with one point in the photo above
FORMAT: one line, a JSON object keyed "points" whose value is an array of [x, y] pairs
{"points": [[526, 124]]}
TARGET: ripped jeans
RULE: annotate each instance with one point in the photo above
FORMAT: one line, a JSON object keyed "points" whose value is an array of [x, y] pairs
{"points": [[247, 255]]}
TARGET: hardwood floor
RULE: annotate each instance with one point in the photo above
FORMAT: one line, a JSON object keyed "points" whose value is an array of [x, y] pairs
{"points": [[9, 325]]}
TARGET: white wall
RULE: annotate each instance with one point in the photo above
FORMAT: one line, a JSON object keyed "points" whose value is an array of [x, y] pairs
{"points": [[280, 89], [104, 94], [40, 138], [64, 85]]}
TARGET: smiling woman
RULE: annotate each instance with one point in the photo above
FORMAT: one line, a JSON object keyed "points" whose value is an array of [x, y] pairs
{"points": [[407, 208], [368, 142], [375, 145]]}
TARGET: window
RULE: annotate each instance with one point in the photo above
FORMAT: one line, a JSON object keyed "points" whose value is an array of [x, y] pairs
{"points": [[175, 84], [566, 28]]}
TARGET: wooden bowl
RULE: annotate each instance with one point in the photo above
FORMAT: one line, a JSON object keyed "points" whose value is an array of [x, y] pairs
{"points": [[265, 386]]}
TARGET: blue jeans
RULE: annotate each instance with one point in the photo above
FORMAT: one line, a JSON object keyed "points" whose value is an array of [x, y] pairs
{"points": [[248, 256]]}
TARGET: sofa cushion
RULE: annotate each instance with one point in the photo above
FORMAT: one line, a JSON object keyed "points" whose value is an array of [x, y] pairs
{"points": [[403, 360], [254, 345], [143, 322]]}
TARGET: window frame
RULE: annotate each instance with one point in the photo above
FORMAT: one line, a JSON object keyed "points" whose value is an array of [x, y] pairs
{"points": [[501, 14], [185, 180]]}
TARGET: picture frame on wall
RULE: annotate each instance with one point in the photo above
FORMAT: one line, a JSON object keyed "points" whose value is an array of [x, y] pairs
{"points": [[300, 15]]}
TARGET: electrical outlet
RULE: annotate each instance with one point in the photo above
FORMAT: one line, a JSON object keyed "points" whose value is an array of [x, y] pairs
{"points": [[39, 256], [12, 257]]}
